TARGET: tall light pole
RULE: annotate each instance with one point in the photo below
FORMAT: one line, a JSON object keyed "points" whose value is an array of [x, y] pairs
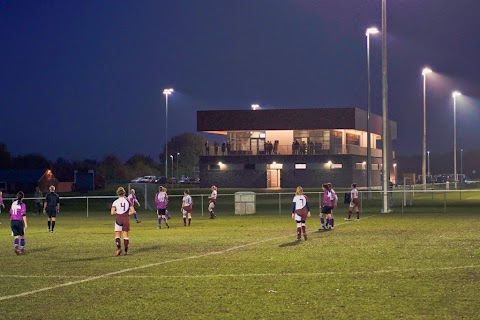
{"points": [[425, 72], [178, 155], [171, 156], [166, 92], [461, 165], [455, 94], [385, 126], [370, 31], [428, 163]]}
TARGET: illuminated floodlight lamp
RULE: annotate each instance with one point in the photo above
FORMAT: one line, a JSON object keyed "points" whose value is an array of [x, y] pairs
{"points": [[372, 30], [456, 94], [426, 71]]}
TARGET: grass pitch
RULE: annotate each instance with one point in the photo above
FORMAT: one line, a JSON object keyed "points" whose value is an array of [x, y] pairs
{"points": [[385, 266]]}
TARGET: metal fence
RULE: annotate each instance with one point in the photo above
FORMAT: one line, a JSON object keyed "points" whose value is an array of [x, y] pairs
{"points": [[280, 203]]}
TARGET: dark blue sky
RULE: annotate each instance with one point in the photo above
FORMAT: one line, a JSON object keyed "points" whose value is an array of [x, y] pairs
{"points": [[81, 79]]}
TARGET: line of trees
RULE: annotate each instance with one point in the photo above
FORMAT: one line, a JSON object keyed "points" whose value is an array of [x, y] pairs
{"points": [[189, 145]]}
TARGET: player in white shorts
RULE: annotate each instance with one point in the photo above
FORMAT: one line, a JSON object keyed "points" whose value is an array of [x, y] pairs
{"points": [[187, 205], [212, 201], [353, 202], [122, 210], [300, 212]]}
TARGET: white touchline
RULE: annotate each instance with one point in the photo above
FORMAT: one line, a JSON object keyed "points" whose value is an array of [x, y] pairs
{"points": [[106, 275]]}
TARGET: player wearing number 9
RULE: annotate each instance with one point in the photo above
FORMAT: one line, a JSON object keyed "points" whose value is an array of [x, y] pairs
{"points": [[122, 210]]}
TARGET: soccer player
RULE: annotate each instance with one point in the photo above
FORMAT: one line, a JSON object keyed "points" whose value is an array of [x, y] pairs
{"points": [[300, 212], [122, 210], [330, 218], [161, 200], [1, 202], [38, 195], [353, 202], [327, 205], [167, 212], [51, 206], [18, 223], [187, 205], [211, 202], [132, 198]]}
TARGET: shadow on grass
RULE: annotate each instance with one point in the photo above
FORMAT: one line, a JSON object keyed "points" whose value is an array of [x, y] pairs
{"points": [[35, 250], [290, 244], [146, 249]]}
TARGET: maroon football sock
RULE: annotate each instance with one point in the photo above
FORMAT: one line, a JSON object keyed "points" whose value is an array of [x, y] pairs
{"points": [[117, 242], [126, 241], [189, 220], [299, 232]]}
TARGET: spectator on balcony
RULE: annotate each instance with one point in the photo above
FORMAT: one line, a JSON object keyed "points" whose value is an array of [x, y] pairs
{"points": [[229, 146], [215, 147], [311, 147], [207, 148], [297, 147], [223, 148], [275, 147]]}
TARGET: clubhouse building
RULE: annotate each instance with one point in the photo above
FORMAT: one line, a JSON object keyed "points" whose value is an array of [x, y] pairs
{"points": [[284, 148]]}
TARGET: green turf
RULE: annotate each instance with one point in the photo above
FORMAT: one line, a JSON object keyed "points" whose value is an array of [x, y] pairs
{"points": [[385, 266]]}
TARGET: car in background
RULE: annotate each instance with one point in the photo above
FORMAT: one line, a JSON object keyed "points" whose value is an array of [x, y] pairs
{"points": [[172, 180], [160, 180], [194, 180], [187, 180], [147, 179]]}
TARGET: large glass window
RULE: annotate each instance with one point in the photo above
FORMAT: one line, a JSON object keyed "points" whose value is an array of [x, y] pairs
{"points": [[353, 139]]}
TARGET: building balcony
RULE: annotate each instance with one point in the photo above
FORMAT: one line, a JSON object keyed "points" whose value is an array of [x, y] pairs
{"points": [[266, 149]]}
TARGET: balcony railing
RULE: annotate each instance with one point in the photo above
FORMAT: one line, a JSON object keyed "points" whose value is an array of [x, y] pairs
{"points": [[291, 150]]}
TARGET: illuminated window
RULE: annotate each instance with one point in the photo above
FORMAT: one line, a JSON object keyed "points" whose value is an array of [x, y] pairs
{"points": [[300, 166], [353, 139]]}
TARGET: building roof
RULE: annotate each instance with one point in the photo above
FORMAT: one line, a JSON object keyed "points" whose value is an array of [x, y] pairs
{"points": [[291, 119], [21, 175]]}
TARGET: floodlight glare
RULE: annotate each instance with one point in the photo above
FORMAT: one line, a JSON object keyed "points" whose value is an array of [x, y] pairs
{"points": [[426, 71], [167, 91], [456, 94], [372, 30], [255, 106]]}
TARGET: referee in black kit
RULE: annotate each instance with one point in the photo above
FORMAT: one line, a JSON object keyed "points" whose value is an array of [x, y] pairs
{"points": [[51, 206]]}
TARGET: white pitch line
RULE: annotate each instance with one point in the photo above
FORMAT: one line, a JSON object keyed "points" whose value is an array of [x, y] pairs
{"points": [[288, 274], [110, 274]]}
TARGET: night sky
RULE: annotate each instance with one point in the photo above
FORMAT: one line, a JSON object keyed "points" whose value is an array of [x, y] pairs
{"points": [[82, 79]]}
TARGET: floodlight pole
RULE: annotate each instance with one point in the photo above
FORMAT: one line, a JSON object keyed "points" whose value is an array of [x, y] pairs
{"points": [[178, 155], [385, 127], [166, 92], [369, 107]]}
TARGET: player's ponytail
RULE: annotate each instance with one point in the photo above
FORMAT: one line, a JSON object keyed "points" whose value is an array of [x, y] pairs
{"points": [[20, 196]]}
